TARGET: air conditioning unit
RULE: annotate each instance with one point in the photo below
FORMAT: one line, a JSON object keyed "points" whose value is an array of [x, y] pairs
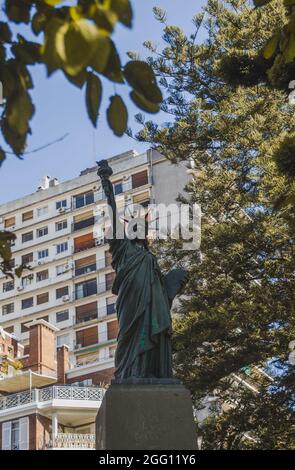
{"points": [[126, 177], [99, 242], [62, 210], [78, 346], [40, 262], [65, 298], [128, 199], [20, 288]]}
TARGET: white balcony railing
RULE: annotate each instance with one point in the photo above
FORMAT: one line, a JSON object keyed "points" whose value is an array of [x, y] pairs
{"points": [[49, 394], [72, 441]]}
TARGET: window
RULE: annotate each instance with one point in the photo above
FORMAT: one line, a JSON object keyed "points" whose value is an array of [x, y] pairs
{"points": [[43, 253], [27, 280], [42, 211], [27, 237], [61, 269], [8, 286], [111, 305], [110, 277], [15, 435], [24, 328], [85, 289], [28, 258], [142, 199], [8, 308], [85, 265], [42, 298], [83, 220], [84, 199], [61, 247], [118, 187], [62, 316], [112, 329], [62, 291], [139, 179], [61, 204], [27, 216], [41, 232], [12, 263], [10, 222], [87, 337], [9, 329], [27, 303], [42, 275], [85, 242], [86, 312], [62, 225], [63, 339]]}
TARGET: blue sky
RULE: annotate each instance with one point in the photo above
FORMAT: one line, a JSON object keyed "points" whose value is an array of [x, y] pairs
{"points": [[61, 109]]}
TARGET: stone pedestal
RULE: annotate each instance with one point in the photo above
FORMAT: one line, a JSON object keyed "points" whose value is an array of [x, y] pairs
{"points": [[146, 416]]}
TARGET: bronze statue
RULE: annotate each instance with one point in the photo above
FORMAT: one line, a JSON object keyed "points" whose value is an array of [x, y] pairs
{"points": [[144, 300]]}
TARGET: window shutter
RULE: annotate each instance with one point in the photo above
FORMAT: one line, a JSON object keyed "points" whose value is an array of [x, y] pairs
{"points": [[6, 436], [139, 179], [24, 433]]}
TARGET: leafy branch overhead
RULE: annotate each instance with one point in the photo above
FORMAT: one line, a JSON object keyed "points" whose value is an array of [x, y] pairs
{"points": [[77, 41], [282, 40]]}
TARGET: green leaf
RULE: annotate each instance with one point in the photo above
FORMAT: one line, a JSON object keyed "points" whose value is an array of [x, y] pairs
{"points": [[93, 97], [2, 156], [39, 22], [50, 56], [289, 50], [103, 16], [260, 3], [77, 80], [53, 2], [75, 44], [19, 112], [123, 10], [27, 52], [101, 53], [18, 11], [144, 104], [142, 78], [16, 141], [271, 46], [117, 115], [5, 33], [113, 69]]}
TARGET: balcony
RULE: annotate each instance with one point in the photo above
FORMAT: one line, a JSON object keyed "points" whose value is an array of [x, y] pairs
{"points": [[71, 442], [83, 224], [85, 270], [87, 317], [91, 289], [85, 246], [55, 394]]}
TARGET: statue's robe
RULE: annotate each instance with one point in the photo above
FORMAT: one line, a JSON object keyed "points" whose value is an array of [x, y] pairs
{"points": [[143, 310]]}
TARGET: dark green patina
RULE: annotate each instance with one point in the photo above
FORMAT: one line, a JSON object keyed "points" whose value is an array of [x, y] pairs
{"points": [[144, 300]]}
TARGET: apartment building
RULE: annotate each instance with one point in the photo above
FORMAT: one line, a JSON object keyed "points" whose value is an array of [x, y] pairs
{"points": [[38, 409], [70, 280]]}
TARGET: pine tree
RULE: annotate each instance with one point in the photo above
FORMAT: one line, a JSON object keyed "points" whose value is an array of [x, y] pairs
{"points": [[233, 332]]}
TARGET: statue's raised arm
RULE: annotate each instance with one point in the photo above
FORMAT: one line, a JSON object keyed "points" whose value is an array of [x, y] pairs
{"points": [[105, 172]]}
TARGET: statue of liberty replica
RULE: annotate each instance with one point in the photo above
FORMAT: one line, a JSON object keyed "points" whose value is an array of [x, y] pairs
{"points": [[143, 360], [144, 297]]}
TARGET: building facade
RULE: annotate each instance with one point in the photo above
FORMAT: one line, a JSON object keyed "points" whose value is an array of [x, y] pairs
{"points": [[59, 235]]}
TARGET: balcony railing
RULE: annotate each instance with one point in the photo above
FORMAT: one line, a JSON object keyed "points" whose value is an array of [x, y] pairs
{"points": [[92, 315], [72, 441], [49, 394], [85, 246], [83, 224], [85, 270]]}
